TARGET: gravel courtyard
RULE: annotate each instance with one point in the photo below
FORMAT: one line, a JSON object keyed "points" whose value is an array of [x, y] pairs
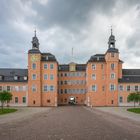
{"points": [[67, 123]]}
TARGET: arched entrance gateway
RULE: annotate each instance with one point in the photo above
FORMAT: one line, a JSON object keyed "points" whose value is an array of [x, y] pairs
{"points": [[72, 100]]}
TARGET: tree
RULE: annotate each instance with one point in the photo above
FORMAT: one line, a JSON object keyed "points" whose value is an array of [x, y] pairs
{"points": [[5, 96], [139, 97], [134, 97]]}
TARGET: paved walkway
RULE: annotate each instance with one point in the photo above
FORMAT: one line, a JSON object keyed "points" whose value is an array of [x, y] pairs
{"points": [[71, 123], [23, 113], [120, 111]]}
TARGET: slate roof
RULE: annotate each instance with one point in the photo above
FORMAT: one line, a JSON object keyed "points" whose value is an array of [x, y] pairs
{"points": [[130, 76], [129, 72], [7, 75], [79, 67], [97, 58], [47, 57], [113, 50], [34, 51]]}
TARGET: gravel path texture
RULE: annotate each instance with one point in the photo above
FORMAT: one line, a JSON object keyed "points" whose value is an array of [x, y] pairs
{"points": [[70, 123]]}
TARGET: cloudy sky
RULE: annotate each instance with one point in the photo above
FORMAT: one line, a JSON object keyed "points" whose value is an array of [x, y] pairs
{"points": [[65, 24]]}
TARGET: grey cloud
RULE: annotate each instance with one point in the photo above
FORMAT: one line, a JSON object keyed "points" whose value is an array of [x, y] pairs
{"points": [[73, 18], [70, 14]]}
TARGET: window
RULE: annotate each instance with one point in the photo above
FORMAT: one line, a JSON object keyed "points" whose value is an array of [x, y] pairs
{"points": [[45, 76], [121, 87], [65, 74], [136, 88], [33, 66], [34, 77], [25, 77], [94, 76], [94, 88], [65, 90], [51, 77], [34, 88], [24, 99], [112, 76], [121, 99], [51, 88], [16, 88], [1, 77], [61, 82], [128, 88], [112, 87], [8, 88], [45, 88], [65, 82], [45, 66], [20, 88], [0, 88], [16, 99], [112, 66], [15, 77], [51, 66], [46, 57], [93, 66], [24, 88]]}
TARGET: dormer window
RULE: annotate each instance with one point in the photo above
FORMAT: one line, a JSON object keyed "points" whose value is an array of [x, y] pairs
{"points": [[46, 57], [1, 77], [15, 77], [25, 77]]}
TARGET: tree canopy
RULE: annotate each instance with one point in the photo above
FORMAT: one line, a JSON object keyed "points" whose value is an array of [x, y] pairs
{"points": [[134, 97], [5, 96]]}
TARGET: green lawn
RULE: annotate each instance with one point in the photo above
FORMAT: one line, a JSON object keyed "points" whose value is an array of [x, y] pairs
{"points": [[135, 110], [7, 110]]}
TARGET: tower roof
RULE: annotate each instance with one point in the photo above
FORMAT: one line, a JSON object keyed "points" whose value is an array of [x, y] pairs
{"points": [[35, 41]]}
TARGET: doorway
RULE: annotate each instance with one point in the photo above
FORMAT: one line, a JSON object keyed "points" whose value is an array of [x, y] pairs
{"points": [[72, 100]]}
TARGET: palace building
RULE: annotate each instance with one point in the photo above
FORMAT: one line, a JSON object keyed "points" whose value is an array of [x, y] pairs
{"points": [[99, 82]]}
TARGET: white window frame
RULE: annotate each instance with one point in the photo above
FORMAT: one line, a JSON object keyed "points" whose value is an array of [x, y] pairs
{"points": [[45, 88], [51, 88], [120, 99], [45, 76], [34, 88], [121, 88], [137, 88], [45, 66], [93, 66], [112, 76], [112, 87], [112, 64], [25, 100], [34, 76], [51, 66], [51, 77], [33, 66], [94, 88], [16, 88], [127, 88], [93, 76], [17, 100]]}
